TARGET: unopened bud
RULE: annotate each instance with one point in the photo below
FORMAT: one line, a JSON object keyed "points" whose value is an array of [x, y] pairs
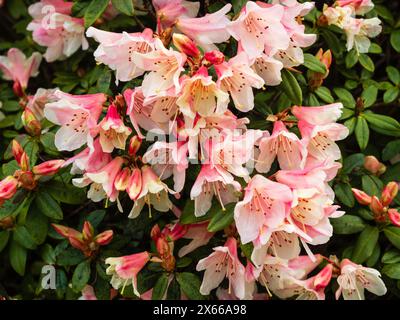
{"points": [[104, 238], [8, 187], [323, 277], [394, 217], [135, 184], [134, 145], [24, 162], [31, 124], [214, 57], [17, 151], [64, 231], [26, 179], [389, 193], [155, 232], [361, 196], [177, 232], [373, 165], [185, 45], [376, 206], [87, 231], [48, 168], [18, 90]]}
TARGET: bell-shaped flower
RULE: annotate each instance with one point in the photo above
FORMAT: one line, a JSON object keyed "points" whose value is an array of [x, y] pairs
{"points": [[223, 263], [77, 116], [259, 27], [124, 270], [355, 278], [165, 67], [116, 50], [113, 132], [199, 236], [283, 144], [268, 68], [211, 183], [37, 102], [16, 67], [207, 30], [200, 94], [168, 12], [237, 78], [265, 203]]}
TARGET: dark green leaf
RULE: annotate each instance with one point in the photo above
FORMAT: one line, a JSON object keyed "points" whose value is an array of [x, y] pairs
{"points": [[362, 132], [365, 245], [383, 124], [94, 11], [160, 288], [393, 235], [344, 194], [348, 224], [291, 87], [18, 257], [124, 6], [312, 63], [222, 218], [392, 270], [366, 62], [190, 285], [81, 275], [48, 206]]}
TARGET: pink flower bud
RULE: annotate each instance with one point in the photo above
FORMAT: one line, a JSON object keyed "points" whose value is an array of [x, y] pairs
{"points": [[8, 187], [389, 193], [24, 162], [373, 165], [361, 196], [135, 184], [323, 277], [394, 217], [122, 179], [64, 231], [87, 231], [214, 57], [18, 91], [104, 238], [376, 206], [185, 45], [48, 168], [134, 145], [26, 179], [31, 124], [17, 151], [175, 232]]}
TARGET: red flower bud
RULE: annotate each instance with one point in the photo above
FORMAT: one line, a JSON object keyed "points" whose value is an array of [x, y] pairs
{"points": [[389, 193], [134, 145], [87, 231], [376, 206], [185, 45], [361, 196], [394, 217], [48, 168], [104, 238], [17, 151], [8, 187], [214, 57], [18, 91]]}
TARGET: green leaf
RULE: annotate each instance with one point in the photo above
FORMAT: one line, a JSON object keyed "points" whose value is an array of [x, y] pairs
{"points": [[188, 217], [66, 193], [312, 63], [395, 40], [348, 224], [238, 5], [369, 96], [350, 124], [347, 113], [183, 262], [47, 141], [344, 194], [94, 11], [375, 48], [383, 124], [124, 6], [48, 206], [325, 94], [365, 245], [391, 94], [365, 214], [291, 87], [334, 44], [393, 235], [391, 256], [37, 225], [18, 257], [81, 276], [103, 82], [24, 238], [391, 150], [4, 236], [70, 257], [366, 62], [190, 285], [160, 287], [384, 13], [345, 97], [374, 258], [362, 132], [222, 218], [353, 161], [371, 185], [174, 290], [393, 74], [392, 271], [351, 58]]}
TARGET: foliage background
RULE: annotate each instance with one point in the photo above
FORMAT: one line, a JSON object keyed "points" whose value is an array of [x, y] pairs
{"points": [[368, 85]]}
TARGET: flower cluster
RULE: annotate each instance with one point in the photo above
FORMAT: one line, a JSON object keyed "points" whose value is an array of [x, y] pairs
{"points": [[185, 114], [358, 30]]}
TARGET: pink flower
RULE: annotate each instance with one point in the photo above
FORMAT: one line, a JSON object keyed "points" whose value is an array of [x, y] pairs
{"points": [[54, 28], [200, 94], [153, 193], [106, 177], [113, 132], [116, 50], [77, 116], [269, 69], [258, 28], [318, 128], [207, 30], [265, 203], [283, 144], [199, 235], [223, 262], [169, 11], [16, 67], [124, 270], [165, 66], [237, 78], [167, 159], [360, 6], [37, 102], [354, 278], [213, 182]]}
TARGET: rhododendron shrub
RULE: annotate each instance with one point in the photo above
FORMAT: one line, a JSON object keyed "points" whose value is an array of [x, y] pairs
{"points": [[200, 150]]}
